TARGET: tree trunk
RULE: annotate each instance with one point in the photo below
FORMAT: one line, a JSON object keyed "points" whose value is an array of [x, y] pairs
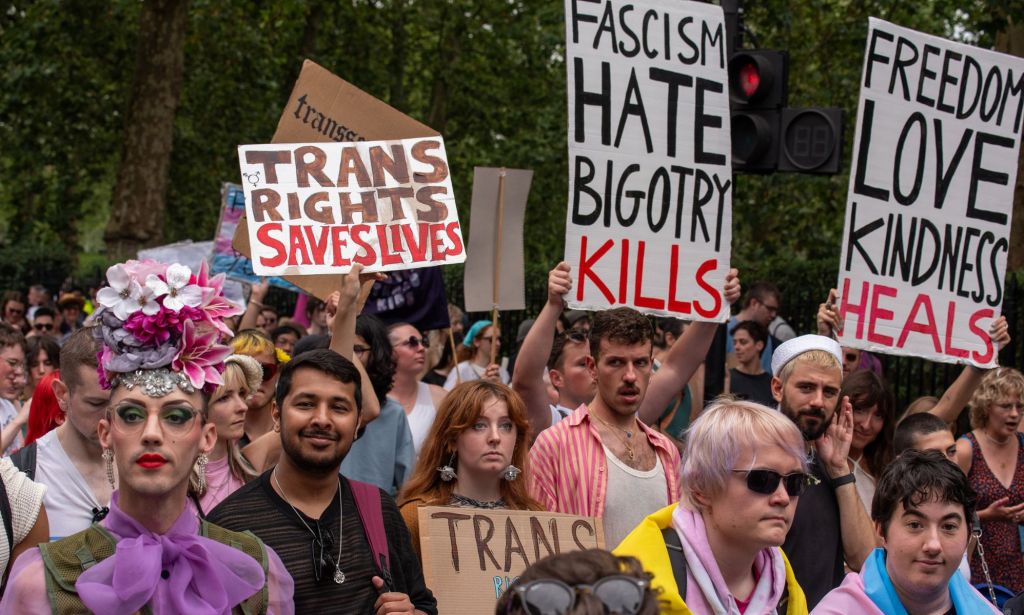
{"points": [[1011, 41], [137, 211]]}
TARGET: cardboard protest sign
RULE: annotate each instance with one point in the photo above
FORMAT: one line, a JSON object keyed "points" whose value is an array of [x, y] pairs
{"points": [[649, 222], [226, 259], [930, 197], [472, 555], [493, 242], [317, 208], [321, 102]]}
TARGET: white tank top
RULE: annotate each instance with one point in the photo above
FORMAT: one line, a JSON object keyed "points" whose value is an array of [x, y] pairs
{"points": [[632, 495], [421, 419]]}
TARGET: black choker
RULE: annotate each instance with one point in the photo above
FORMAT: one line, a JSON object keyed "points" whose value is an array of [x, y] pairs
{"points": [[461, 500]]}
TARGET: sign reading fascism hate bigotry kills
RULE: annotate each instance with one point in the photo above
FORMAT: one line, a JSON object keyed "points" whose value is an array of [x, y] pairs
{"points": [[316, 208], [650, 172], [930, 197]]}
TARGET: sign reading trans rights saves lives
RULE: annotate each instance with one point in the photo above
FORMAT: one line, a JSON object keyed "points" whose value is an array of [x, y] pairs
{"points": [[931, 193], [316, 208], [649, 221]]}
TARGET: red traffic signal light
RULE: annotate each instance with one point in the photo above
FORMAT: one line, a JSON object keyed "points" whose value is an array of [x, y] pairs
{"points": [[757, 90], [758, 78]]}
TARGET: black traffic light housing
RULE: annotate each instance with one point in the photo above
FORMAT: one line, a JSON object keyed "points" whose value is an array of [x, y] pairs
{"points": [[758, 88], [811, 140], [769, 136]]}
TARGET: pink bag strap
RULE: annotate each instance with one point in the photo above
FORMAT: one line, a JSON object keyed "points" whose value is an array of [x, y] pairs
{"points": [[367, 498]]}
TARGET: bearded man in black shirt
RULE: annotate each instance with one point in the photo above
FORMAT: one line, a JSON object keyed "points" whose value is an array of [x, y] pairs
{"points": [[307, 512]]}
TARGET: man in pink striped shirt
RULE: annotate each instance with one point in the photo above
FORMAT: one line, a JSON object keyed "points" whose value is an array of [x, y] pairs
{"points": [[601, 461]]}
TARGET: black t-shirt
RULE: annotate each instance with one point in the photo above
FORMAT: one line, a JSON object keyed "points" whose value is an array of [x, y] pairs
{"points": [[752, 388], [258, 508], [814, 544]]}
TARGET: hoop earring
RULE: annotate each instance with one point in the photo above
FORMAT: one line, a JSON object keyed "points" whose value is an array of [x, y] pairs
{"points": [[201, 462], [108, 461], [447, 471], [511, 473]]}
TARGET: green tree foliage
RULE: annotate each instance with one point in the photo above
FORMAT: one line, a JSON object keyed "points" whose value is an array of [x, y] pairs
{"points": [[489, 74]]}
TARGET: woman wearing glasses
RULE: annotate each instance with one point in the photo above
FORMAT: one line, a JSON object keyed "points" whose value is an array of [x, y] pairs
{"points": [[717, 551], [473, 456], [419, 399], [161, 358], [481, 341]]}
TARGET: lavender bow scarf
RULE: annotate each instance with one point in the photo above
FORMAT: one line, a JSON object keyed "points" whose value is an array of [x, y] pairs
{"points": [[176, 572]]}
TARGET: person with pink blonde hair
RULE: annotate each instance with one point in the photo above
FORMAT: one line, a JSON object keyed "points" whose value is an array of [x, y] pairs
{"points": [[718, 549]]}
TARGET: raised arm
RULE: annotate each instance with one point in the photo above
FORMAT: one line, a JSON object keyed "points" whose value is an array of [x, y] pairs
{"points": [[957, 396], [856, 529], [343, 306], [527, 380], [683, 359], [257, 293]]}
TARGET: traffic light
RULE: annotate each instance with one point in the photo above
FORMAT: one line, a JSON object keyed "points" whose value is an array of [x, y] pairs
{"points": [[812, 140], [758, 87]]}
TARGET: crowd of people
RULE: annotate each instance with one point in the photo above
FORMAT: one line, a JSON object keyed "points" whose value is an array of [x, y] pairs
{"points": [[168, 451]]}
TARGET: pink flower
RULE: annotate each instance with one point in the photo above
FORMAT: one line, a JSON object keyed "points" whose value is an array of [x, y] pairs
{"points": [[216, 310], [199, 356]]}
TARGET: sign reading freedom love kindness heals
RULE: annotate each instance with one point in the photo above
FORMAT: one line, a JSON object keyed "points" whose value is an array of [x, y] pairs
{"points": [[931, 193], [649, 221], [472, 555], [317, 208]]}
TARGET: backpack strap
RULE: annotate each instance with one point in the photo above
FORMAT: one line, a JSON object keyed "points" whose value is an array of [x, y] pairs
{"points": [[251, 545], [677, 558], [5, 510], [25, 460], [367, 499]]}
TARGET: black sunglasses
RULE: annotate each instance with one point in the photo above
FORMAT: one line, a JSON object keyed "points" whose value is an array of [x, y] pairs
{"points": [[414, 342], [620, 595], [43, 326], [269, 371], [766, 482]]}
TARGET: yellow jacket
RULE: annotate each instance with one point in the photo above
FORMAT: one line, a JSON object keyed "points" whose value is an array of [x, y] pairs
{"points": [[647, 544]]}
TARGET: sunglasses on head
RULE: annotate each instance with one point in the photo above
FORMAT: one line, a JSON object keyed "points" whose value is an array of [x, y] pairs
{"points": [[269, 371], [620, 595], [576, 335], [43, 326], [414, 342], [766, 482]]}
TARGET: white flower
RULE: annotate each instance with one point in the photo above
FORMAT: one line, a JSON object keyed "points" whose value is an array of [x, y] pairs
{"points": [[123, 295], [176, 291]]}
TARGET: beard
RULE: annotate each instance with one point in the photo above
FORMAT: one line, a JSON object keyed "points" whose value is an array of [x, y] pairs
{"points": [[812, 422], [312, 461]]}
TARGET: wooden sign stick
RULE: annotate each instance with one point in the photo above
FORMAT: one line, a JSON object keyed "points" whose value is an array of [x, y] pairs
{"points": [[497, 265], [455, 353]]}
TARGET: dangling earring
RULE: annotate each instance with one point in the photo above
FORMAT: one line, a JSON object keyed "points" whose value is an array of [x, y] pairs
{"points": [[108, 460], [201, 462], [511, 473], [447, 471]]}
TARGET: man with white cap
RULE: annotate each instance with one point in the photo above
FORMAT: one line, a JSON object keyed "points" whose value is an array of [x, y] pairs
{"points": [[830, 527]]}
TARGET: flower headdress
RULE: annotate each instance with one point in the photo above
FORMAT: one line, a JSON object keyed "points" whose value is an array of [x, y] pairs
{"points": [[161, 326]]}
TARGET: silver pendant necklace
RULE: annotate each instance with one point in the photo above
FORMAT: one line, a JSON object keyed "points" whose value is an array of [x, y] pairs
{"points": [[339, 575]]}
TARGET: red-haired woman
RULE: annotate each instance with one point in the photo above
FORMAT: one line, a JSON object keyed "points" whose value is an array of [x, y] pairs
{"points": [[474, 456]]}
